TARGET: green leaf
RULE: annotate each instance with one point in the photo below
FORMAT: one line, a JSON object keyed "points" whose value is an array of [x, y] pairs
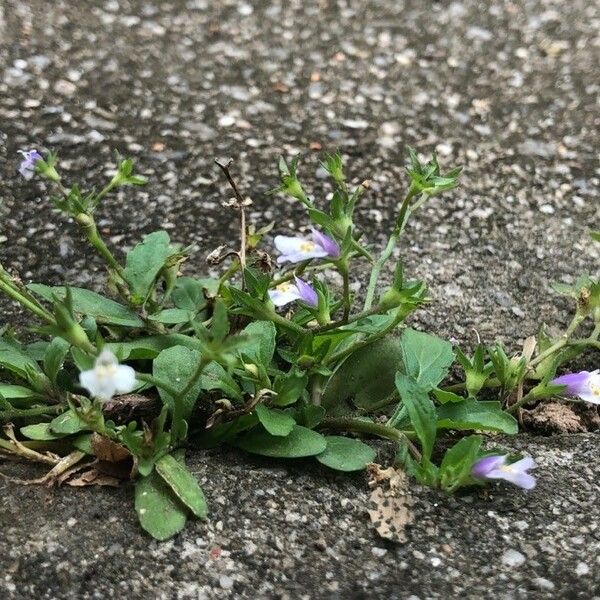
{"points": [[176, 366], [346, 454], [54, 357], [68, 422], [276, 422], [215, 377], [455, 469], [14, 392], [289, 388], [84, 443], [183, 484], [86, 302], [152, 346], [41, 432], [426, 358], [83, 361], [220, 321], [475, 414], [595, 235], [248, 305], [159, 511], [36, 350], [190, 294], [14, 359], [364, 379], [309, 415], [443, 396], [421, 411], [299, 443], [260, 344], [145, 261], [173, 316]]}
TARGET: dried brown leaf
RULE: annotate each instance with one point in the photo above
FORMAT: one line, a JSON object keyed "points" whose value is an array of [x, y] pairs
{"points": [[107, 450], [390, 503], [92, 477]]}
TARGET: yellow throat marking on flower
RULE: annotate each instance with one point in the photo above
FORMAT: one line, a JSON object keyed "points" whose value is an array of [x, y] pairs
{"points": [[307, 246], [595, 389], [284, 287], [105, 371]]}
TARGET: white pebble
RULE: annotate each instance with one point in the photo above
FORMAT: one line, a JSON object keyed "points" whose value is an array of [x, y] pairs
{"points": [[513, 558]]}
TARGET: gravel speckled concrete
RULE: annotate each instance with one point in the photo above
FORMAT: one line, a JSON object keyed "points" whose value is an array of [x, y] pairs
{"points": [[508, 89], [291, 530]]}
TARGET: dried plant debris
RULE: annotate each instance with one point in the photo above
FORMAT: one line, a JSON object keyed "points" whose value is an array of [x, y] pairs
{"points": [[390, 503], [553, 417]]}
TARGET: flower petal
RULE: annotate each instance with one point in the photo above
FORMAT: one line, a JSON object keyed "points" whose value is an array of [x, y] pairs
{"points": [[518, 478], [485, 465], [328, 244], [124, 379], [287, 244], [524, 464], [295, 249], [307, 292], [282, 297]]}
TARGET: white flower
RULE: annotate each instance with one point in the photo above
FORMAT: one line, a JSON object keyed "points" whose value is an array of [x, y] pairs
{"points": [[108, 377], [296, 249], [287, 292]]}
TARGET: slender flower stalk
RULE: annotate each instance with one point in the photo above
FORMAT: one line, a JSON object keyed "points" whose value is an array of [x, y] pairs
{"points": [[389, 248]]}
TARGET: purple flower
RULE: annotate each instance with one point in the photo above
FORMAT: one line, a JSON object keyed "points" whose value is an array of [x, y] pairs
{"points": [[27, 166], [288, 292], [495, 467], [296, 249], [585, 385]]}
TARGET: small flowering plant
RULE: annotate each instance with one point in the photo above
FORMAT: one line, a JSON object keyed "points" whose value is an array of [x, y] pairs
{"points": [[270, 356]]}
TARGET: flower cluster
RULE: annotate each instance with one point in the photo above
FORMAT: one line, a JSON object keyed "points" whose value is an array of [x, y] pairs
{"points": [[296, 250]]}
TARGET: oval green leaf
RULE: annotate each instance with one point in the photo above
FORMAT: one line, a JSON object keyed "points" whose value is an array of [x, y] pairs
{"points": [[299, 443], [346, 454]]}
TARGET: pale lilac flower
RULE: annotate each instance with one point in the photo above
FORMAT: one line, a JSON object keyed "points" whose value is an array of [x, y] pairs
{"points": [[27, 166], [287, 292], [108, 377], [296, 249], [585, 385], [495, 467]]}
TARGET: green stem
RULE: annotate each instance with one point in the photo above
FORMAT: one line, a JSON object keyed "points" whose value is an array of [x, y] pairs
{"points": [[364, 342], [586, 342], [17, 296], [357, 317], [87, 223], [109, 187], [18, 413], [287, 324], [522, 402], [377, 429], [343, 269], [573, 325], [459, 387], [229, 272], [389, 248]]}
